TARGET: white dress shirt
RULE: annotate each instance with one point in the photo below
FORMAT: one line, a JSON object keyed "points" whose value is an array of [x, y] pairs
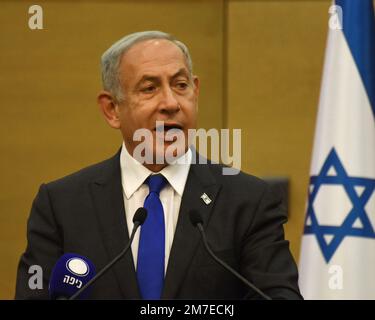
{"points": [[133, 176]]}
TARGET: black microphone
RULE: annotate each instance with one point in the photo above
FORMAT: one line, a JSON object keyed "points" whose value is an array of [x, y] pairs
{"points": [[138, 219], [197, 221]]}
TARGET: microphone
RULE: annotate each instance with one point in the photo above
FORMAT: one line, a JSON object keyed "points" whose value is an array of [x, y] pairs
{"points": [[138, 219], [69, 274], [73, 275], [197, 221]]}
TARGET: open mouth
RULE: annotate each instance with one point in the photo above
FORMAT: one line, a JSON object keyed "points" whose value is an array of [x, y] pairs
{"points": [[167, 127]]}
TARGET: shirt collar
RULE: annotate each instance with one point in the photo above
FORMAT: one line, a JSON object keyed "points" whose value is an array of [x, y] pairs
{"points": [[133, 173]]}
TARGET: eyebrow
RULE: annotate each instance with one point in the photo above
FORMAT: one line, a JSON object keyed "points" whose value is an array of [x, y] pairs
{"points": [[181, 72]]}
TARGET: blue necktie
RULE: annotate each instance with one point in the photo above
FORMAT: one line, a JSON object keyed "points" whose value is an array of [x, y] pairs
{"points": [[151, 250]]}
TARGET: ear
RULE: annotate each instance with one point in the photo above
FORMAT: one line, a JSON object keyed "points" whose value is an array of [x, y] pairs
{"points": [[196, 90], [196, 86], [109, 108]]}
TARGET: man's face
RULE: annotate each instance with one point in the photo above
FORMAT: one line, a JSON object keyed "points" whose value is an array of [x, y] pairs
{"points": [[157, 86]]}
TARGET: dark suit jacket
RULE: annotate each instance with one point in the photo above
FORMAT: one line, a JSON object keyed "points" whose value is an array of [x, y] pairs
{"points": [[84, 213]]}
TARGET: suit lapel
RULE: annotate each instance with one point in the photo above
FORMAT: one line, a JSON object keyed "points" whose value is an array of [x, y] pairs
{"points": [[186, 239], [109, 204]]}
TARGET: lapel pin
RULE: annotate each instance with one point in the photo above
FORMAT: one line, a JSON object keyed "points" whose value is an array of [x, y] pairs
{"points": [[206, 199]]}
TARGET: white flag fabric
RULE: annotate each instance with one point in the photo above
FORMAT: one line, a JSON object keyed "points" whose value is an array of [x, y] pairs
{"points": [[337, 258]]}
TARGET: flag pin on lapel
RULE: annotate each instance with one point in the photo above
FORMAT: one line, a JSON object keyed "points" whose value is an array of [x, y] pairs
{"points": [[206, 199]]}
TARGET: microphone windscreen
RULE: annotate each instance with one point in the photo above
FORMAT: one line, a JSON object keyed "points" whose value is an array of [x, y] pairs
{"points": [[70, 273], [195, 217], [140, 216]]}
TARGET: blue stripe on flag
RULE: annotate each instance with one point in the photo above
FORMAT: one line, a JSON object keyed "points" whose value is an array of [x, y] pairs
{"points": [[359, 31]]}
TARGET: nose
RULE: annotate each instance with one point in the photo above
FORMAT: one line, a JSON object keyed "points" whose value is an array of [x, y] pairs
{"points": [[169, 103]]}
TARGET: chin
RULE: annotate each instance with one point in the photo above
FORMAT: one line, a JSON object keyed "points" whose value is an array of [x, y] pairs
{"points": [[169, 153]]}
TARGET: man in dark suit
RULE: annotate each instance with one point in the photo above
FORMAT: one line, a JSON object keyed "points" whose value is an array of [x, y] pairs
{"points": [[148, 80]]}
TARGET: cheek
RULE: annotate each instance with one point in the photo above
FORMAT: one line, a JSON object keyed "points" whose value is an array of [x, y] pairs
{"points": [[131, 117], [127, 122], [191, 112], [143, 112]]}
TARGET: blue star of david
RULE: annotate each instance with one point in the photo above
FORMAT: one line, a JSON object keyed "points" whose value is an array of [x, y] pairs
{"points": [[357, 211]]}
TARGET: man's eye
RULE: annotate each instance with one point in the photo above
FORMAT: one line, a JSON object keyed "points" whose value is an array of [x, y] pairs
{"points": [[148, 89], [182, 85]]}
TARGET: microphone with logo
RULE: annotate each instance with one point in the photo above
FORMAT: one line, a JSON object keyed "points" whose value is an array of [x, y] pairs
{"points": [[197, 221], [70, 273], [84, 290]]}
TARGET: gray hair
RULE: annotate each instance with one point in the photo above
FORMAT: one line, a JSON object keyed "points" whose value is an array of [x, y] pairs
{"points": [[110, 61]]}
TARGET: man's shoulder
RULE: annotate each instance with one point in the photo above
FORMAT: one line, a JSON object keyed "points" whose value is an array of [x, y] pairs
{"points": [[237, 178], [95, 172], [245, 188]]}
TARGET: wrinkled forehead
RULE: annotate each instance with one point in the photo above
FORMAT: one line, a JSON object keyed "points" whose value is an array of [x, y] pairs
{"points": [[152, 54]]}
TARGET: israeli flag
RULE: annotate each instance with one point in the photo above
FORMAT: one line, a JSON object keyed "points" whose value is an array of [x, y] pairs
{"points": [[338, 244]]}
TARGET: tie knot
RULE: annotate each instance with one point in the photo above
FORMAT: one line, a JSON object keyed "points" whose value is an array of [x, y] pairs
{"points": [[156, 183]]}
